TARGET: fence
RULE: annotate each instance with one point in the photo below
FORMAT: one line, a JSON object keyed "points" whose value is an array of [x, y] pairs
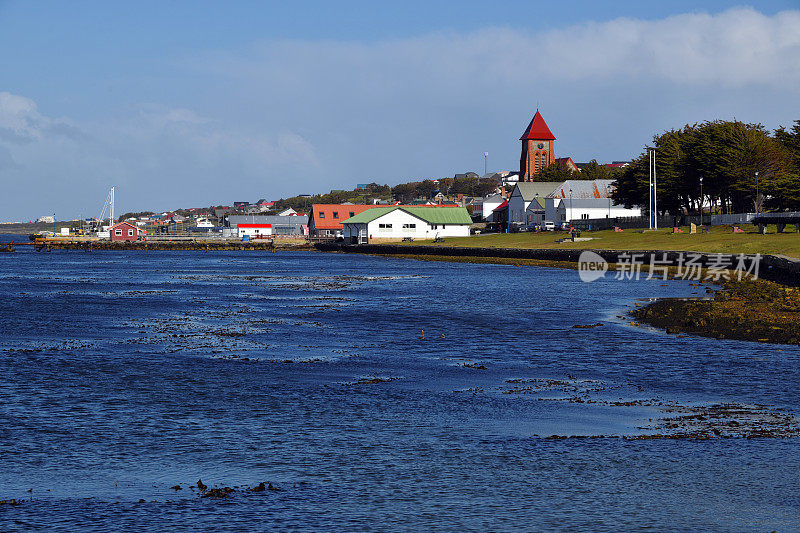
{"points": [[667, 221]]}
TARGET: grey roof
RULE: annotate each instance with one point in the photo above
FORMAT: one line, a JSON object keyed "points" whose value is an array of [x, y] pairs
{"points": [[235, 220], [529, 189], [581, 189], [585, 202]]}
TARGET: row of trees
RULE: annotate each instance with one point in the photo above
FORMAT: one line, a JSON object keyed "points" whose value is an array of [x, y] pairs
{"points": [[559, 171], [727, 155]]}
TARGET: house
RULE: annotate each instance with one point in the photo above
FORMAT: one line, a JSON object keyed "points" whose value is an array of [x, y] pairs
{"points": [[254, 231], [281, 225], [585, 199], [526, 202], [326, 219], [399, 222], [561, 210], [125, 231], [483, 207], [287, 212]]}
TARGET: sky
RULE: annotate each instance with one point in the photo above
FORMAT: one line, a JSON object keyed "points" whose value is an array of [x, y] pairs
{"points": [[192, 103]]}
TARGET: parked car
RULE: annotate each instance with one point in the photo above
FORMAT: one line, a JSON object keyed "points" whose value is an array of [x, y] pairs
{"points": [[548, 225]]}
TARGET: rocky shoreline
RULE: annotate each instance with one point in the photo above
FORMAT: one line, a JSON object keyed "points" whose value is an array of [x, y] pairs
{"points": [[749, 310]]}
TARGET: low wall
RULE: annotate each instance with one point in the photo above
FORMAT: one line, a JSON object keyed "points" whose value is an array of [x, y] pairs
{"points": [[781, 269]]}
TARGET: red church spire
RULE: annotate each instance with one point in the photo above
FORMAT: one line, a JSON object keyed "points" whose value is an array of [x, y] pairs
{"points": [[538, 130]]}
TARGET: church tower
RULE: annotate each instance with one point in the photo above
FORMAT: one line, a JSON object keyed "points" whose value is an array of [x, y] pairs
{"points": [[537, 148]]}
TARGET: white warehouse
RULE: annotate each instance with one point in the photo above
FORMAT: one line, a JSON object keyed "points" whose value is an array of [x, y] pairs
{"points": [[400, 222]]}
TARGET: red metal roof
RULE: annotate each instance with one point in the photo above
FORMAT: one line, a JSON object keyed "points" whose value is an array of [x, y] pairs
{"points": [[255, 225], [501, 206], [538, 130]]}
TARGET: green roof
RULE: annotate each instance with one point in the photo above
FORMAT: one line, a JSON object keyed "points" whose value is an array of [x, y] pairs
{"points": [[430, 214]]}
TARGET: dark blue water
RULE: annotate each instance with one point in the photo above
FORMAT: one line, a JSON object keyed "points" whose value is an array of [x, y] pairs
{"points": [[124, 374]]}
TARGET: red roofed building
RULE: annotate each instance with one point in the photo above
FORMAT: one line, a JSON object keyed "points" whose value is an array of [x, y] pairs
{"points": [[326, 219], [125, 231], [567, 162], [537, 148], [254, 231]]}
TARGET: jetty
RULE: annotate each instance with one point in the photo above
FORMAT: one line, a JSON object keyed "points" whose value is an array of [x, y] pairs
{"points": [[258, 245]]}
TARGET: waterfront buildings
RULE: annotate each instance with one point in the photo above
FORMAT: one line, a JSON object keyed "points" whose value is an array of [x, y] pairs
{"points": [[254, 231], [326, 219], [400, 222], [281, 225], [125, 231]]}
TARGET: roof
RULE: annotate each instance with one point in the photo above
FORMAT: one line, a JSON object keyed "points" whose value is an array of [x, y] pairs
{"points": [[123, 224], [529, 189], [537, 204], [567, 161], [582, 189], [328, 221], [430, 214], [235, 220], [255, 225], [538, 130], [502, 206]]}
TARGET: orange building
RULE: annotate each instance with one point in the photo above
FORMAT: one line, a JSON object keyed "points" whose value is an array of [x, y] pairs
{"points": [[326, 219]]}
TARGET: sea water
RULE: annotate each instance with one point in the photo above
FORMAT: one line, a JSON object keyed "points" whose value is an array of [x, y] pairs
{"points": [[375, 394]]}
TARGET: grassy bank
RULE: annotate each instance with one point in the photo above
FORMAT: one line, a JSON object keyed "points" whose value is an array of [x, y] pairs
{"points": [[720, 240]]}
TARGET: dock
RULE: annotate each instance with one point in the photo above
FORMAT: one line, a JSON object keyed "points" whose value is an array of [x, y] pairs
{"points": [[47, 245]]}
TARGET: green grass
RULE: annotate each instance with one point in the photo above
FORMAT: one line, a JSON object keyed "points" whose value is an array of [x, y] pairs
{"points": [[721, 240]]}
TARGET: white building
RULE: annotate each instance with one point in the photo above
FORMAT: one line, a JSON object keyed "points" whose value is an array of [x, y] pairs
{"points": [[526, 203], [483, 207], [560, 210], [47, 218], [395, 223], [254, 231]]}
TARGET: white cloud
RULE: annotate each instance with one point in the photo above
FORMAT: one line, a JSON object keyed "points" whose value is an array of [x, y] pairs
{"points": [[302, 116]]}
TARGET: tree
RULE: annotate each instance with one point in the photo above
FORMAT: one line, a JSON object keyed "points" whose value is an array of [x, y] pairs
{"points": [[726, 155], [558, 171]]}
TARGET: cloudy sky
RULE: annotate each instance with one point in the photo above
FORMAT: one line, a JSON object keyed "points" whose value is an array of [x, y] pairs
{"points": [[200, 103]]}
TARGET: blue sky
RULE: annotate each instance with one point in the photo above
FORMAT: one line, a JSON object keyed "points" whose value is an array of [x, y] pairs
{"points": [[184, 104]]}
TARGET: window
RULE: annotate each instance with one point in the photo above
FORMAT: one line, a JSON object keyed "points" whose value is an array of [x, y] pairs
{"points": [[585, 216], [322, 214], [130, 233], [336, 214], [118, 232], [384, 227], [352, 214], [443, 226], [409, 226]]}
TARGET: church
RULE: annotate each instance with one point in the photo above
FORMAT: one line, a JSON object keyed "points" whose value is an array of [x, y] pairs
{"points": [[538, 149]]}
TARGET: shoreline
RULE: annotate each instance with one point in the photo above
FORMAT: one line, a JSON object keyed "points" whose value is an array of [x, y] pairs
{"points": [[760, 310]]}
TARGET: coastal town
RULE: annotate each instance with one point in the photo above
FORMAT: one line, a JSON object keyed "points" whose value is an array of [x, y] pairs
{"points": [[546, 193], [400, 266]]}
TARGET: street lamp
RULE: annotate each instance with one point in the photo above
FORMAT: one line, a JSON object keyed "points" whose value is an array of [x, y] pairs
{"points": [[757, 199], [570, 208], [608, 190], [701, 201], [485, 163]]}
